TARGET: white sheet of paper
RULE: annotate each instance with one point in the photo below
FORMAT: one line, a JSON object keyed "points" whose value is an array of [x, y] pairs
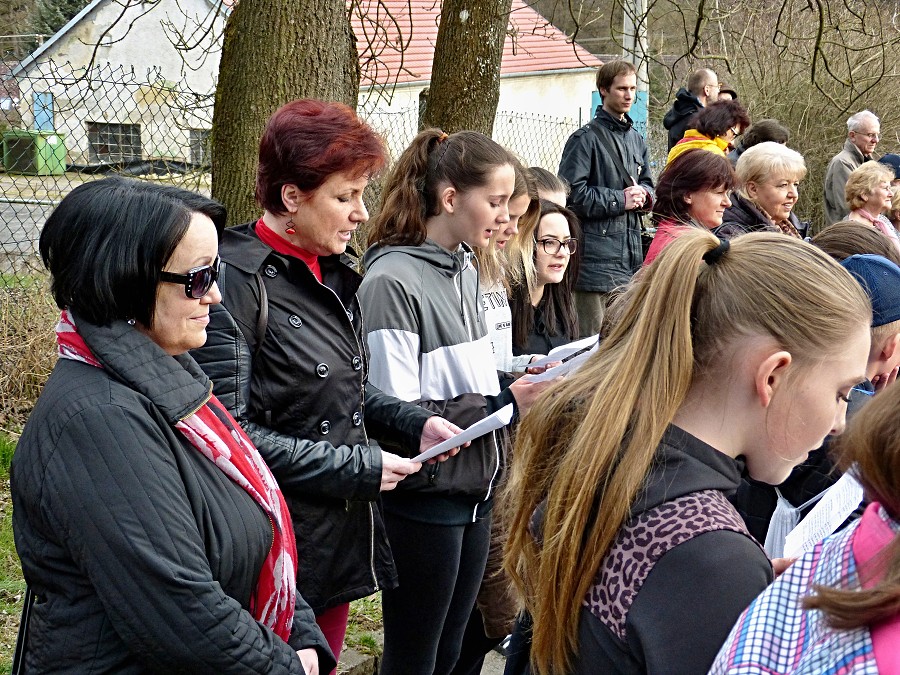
{"points": [[833, 509], [563, 351], [564, 368], [490, 423]]}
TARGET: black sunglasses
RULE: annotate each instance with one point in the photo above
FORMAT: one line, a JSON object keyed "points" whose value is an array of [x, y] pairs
{"points": [[197, 281]]}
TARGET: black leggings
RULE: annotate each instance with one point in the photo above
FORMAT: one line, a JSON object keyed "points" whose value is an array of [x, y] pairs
{"points": [[440, 569]]}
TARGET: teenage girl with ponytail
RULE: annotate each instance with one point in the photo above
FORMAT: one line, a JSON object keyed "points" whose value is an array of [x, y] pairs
{"points": [[429, 343], [623, 543]]}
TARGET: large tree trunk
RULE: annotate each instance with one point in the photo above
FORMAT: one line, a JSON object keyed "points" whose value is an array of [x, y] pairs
{"points": [[465, 77], [274, 51]]}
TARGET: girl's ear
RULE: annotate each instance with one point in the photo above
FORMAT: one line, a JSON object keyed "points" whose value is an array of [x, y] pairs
{"points": [[689, 198], [291, 197], [447, 198], [770, 375]]}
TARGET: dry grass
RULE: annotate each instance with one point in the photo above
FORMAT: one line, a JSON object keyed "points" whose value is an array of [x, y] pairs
{"points": [[27, 349]]}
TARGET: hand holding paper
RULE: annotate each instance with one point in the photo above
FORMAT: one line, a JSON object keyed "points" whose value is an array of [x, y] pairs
{"points": [[491, 423]]}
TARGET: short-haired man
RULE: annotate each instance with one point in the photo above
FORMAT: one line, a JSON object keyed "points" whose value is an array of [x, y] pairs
{"points": [[863, 132], [702, 89], [606, 164]]}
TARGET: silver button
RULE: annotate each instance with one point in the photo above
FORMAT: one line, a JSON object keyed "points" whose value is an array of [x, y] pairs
{"points": [[356, 363], [270, 271], [324, 427], [295, 321], [357, 419], [322, 370]]}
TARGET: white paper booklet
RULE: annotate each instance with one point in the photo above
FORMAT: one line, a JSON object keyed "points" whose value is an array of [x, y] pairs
{"points": [[833, 509], [564, 351], [490, 423]]}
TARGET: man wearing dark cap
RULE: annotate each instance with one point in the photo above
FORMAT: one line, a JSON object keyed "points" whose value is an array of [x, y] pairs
{"points": [[892, 161]]}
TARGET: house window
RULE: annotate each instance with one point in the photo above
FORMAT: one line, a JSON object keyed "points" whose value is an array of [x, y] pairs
{"points": [[200, 147], [114, 142]]}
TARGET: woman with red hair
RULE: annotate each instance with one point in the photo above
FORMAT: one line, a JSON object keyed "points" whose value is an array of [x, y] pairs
{"points": [[288, 356]]}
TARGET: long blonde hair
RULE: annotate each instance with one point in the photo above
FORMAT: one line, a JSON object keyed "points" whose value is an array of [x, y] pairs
{"points": [[585, 448], [491, 261]]}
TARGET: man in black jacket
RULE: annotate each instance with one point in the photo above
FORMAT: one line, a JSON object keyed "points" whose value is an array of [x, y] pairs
{"points": [[702, 89], [606, 164]]}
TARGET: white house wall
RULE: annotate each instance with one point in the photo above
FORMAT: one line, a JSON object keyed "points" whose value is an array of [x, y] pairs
{"points": [[146, 49]]}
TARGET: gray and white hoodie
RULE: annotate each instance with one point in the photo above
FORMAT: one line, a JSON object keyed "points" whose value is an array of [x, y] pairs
{"points": [[428, 343]]}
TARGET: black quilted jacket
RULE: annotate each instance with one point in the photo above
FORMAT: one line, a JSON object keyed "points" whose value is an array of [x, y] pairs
{"points": [[142, 553]]}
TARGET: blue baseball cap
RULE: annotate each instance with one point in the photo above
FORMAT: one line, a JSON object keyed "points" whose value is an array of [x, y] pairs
{"points": [[892, 161], [880, 278]]}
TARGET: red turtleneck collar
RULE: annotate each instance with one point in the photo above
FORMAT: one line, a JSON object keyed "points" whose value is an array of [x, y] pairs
{"points": [[283, 246]]}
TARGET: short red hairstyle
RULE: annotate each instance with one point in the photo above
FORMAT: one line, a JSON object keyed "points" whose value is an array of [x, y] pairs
{"points": [[306, 141]]}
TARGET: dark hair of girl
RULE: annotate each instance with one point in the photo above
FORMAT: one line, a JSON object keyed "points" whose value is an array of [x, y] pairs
{"points": [[108, 240], [717, 118], [433, 160], [557, 303], [692, 171]]}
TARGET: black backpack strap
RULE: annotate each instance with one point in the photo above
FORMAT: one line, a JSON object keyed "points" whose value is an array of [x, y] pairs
{"points": [[262, 318], [606, 142]]}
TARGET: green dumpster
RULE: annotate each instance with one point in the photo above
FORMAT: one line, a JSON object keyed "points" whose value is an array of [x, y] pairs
{"points": [[39, 153]]}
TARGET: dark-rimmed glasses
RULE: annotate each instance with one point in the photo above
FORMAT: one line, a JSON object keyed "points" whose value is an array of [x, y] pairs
{"points": [[197, 281], [552, 246]]}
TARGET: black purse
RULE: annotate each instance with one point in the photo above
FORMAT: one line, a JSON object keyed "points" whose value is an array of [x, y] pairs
{"points": [[18, 662]]}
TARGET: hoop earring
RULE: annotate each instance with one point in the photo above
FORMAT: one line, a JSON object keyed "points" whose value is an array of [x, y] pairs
{"points": [[289, 229]]}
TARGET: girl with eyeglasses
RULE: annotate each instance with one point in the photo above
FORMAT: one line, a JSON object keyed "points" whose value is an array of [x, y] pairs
{"points": [[693, 191], [543, 268], [722, 356]]}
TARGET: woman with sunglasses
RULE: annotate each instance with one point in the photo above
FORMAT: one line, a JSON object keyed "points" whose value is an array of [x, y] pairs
{"points": [[544, 268], [288, 355], [714, 129], [149, 529]]}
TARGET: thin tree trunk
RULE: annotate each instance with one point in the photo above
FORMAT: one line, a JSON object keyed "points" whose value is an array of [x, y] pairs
{"points": [[465, 77], [274, 51]]}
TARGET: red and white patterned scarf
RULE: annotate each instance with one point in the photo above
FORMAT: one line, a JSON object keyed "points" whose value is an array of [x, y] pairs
{"points": [[229, 448]]}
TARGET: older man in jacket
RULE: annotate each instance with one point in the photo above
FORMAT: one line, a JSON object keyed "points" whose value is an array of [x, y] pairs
{"points": [[606, 164], [863, 132]]}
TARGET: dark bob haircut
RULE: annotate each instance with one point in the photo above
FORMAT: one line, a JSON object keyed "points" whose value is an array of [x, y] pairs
{"points": [[693, 171], [307, 141], [717, 118], [108, 240]]}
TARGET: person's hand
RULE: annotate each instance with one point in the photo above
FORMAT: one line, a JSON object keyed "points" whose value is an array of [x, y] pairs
{"points": [[780, 565], [882, 380], [635, 197], [309, 659], [437, 430], [537, 370], [394, 469], [526, 392]]}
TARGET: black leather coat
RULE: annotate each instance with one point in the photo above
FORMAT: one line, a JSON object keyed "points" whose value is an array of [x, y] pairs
{"points": [[302, 397]]}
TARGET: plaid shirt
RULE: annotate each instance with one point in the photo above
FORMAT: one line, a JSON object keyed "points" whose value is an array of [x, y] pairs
{"points": [[776, 635]]}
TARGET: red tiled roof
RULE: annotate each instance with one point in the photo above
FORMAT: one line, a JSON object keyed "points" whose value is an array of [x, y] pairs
{"points": [[396, 40]]}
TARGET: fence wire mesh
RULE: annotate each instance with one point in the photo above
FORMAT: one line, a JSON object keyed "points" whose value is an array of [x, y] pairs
{"points": [[62, 125]]}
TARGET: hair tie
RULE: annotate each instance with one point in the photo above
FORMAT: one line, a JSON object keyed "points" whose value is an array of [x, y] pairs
{"points": [[443, 137], [714, 255]]}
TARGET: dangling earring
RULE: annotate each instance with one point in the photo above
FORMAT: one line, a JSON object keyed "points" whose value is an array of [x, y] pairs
{"points": [[290, 227]]}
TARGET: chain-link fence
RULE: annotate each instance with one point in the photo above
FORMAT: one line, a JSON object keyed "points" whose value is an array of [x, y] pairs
{"points": [[62, 126]]}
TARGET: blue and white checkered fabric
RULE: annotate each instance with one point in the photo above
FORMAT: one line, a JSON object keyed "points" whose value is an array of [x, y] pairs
{"points": [[775, 635]]}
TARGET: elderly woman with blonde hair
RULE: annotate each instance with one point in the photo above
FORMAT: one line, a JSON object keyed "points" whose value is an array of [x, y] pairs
{"points": [[870, 197], [769, 176]]}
